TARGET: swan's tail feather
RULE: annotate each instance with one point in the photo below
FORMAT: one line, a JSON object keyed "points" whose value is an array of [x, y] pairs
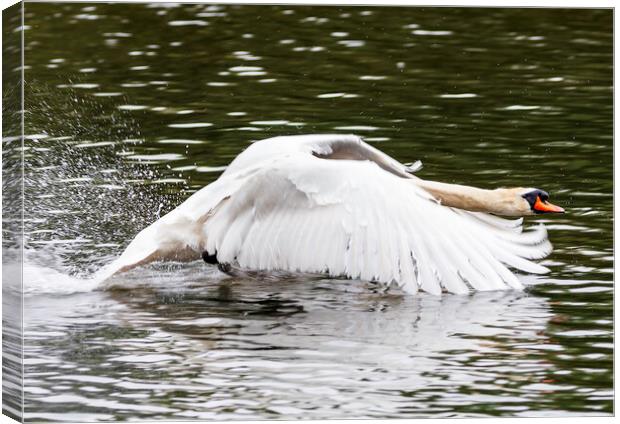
{"points": [[177, 236], [136, 259], [161, 241], [122, 265]]}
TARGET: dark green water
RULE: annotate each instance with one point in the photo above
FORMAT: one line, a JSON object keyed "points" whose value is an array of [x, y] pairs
{"points": [[131, 108]]}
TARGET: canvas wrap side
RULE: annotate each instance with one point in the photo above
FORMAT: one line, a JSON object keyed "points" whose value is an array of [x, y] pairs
{"points": [[12, 212]]}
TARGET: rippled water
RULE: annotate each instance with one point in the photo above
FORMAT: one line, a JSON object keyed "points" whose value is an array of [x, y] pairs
{"points": [[131, 108]]}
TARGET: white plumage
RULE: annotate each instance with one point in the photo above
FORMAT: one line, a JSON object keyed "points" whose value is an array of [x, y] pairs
{"points": [[333, 204]]}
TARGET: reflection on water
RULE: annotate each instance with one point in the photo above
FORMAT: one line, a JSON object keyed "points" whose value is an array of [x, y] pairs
{"points": [[213, 346], [131, 108]]}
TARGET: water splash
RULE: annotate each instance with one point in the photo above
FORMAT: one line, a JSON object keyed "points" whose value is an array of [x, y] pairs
{"points": [[84, 200]]}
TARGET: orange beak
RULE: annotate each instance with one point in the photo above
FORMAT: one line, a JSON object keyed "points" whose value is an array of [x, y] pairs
{"points": [[546, 207]]}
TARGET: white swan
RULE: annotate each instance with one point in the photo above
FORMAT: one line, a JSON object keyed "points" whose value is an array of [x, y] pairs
{"points": [[333, 204]]}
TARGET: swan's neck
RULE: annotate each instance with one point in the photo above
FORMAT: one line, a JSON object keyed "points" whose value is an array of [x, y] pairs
{"points": [[501, 201]]}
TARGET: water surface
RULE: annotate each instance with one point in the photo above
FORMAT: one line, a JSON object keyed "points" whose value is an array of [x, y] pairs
{"points": [[131, 108]]}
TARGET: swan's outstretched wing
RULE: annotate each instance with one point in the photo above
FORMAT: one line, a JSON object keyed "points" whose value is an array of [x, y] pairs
{"points": [[353, 219], [325, 146]]}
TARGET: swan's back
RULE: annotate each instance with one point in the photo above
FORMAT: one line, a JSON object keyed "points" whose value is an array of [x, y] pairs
{"points": [[327, 146], [274, 147]]}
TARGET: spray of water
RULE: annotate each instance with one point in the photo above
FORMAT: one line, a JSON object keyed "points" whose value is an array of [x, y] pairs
{"points": [[83, 200]]}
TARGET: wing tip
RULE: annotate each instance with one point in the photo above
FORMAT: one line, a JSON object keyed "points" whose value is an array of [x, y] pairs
{"points": [[414, 167]]}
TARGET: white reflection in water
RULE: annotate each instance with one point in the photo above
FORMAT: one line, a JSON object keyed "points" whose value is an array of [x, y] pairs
{"points": [[310, 343]]}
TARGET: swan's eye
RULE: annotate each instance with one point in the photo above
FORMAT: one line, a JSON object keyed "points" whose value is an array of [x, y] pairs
{"points": [[531, 197], [544, 196]]}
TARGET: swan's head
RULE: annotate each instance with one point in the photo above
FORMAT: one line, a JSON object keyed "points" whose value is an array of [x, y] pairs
{"points": [[536, 202]]}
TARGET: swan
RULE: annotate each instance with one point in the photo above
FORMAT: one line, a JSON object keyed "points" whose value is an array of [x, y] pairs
{"points": [[335, 205]]}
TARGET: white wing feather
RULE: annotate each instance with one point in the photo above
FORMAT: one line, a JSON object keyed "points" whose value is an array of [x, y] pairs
{"points": [[351, 218]]}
